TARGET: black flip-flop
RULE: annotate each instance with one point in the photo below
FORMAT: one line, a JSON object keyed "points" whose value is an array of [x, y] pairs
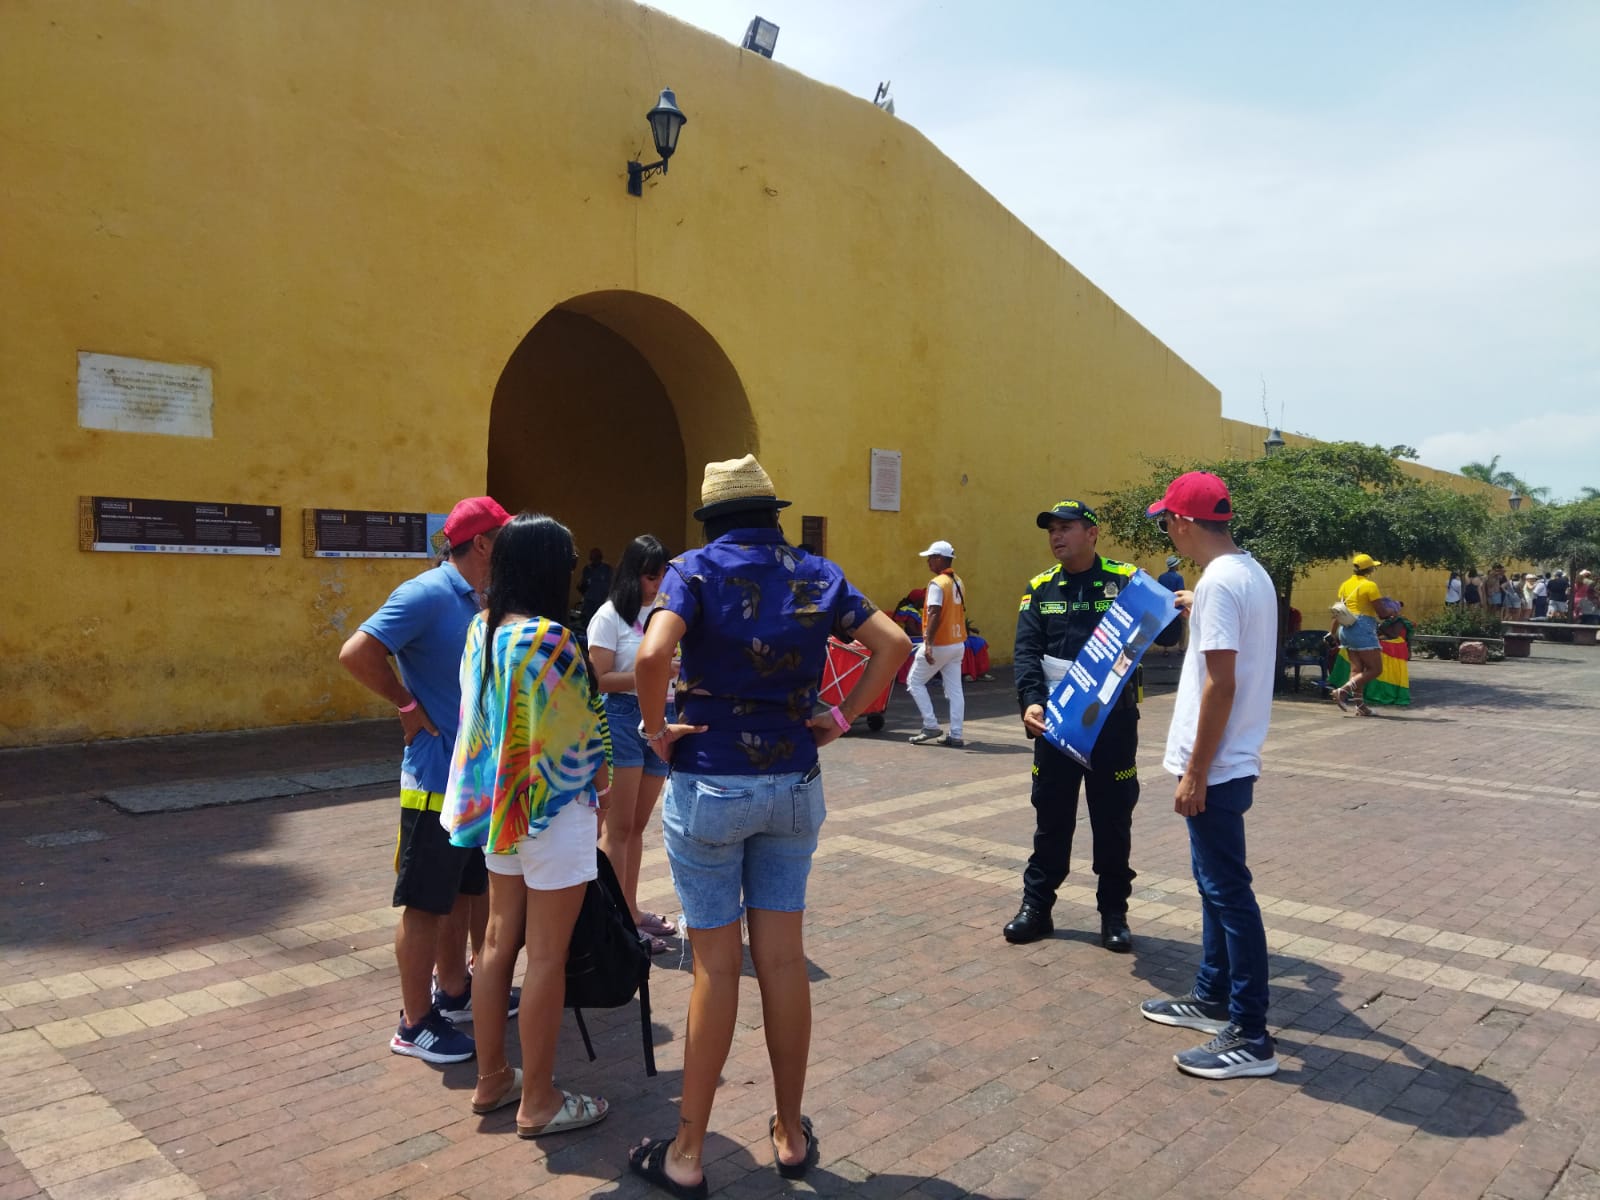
{"points": [[794, 1170], [649, 1162]]}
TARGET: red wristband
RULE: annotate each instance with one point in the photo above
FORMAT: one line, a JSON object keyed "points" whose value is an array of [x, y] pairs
{"points": [[840, 719], [410, 707]]}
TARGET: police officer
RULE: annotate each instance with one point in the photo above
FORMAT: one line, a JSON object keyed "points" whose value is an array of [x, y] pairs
{"points": [[1057, 616]]}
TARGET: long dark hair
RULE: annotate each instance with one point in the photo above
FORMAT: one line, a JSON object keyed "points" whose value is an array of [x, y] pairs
{"points": [[644, 556], [530, 571]]}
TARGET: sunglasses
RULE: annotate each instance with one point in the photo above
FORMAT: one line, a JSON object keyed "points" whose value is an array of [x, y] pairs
{"points": [[1161, 521]]}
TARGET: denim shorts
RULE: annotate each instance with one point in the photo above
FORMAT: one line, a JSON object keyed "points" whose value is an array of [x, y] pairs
{"points": [[1363, 635], [627, 747], [741, 840]]}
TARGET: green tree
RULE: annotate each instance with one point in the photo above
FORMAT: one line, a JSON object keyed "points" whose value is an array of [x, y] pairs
{"points": [[1568, 534], [1313, 504]]}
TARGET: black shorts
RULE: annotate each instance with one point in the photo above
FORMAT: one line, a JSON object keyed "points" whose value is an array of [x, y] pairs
{"points": [[429, 872]]}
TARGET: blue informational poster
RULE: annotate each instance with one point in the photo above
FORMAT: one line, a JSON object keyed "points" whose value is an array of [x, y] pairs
{"points": [[436, 541], [1078, 706]]}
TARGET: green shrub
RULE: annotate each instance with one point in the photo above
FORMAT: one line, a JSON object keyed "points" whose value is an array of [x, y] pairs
{"points": [[1462, 622], [1459, 622]]}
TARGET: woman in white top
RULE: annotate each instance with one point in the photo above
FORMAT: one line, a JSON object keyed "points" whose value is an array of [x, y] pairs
{"points": [[637, 775]]}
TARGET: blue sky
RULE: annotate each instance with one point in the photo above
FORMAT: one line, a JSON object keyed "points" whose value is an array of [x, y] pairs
{"points": [[1389, 213]]}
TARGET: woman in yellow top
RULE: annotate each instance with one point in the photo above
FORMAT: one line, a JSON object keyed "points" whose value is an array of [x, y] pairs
{"points": [[1360, 640]]}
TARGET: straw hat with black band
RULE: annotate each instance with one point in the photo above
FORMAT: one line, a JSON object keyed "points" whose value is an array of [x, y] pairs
{"points": [[735, 485]]}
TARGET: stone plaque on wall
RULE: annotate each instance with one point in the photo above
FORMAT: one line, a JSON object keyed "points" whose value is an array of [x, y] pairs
{"points": [[884, 490], [133, 395]]}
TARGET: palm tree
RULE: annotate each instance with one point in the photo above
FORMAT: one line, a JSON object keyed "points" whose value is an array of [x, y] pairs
{"points": [[1589, 493], [1491, 474]]}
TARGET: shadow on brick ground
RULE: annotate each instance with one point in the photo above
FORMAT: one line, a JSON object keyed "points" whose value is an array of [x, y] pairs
{"points": [[158, 882], [1436, 1097]]}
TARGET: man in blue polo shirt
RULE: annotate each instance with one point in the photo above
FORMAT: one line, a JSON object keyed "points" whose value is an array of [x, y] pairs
{"points": [[423, 627]]}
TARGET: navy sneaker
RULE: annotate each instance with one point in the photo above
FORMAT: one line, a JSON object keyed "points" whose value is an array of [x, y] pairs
{"points": [[459, 1008], [1230, 1055], [435, 1040], [1187, 1010]]}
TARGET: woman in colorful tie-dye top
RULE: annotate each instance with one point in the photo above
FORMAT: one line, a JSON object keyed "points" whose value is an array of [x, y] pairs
{"points": [[523, 787]]}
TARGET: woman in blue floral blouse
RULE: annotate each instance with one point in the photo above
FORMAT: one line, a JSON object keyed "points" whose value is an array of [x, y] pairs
{"points": [[744, 803]]}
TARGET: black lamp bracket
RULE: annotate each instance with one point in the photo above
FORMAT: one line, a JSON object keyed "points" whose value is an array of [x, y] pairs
{"points": [[639, 172]]}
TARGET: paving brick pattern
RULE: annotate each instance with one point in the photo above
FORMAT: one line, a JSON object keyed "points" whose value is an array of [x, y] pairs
{"points": [[197, 1003]]}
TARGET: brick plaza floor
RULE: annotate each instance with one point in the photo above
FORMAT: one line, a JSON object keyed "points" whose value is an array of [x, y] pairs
{"points": [[197, 1003]]}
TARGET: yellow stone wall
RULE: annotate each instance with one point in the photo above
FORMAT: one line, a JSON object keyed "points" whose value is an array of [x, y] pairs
{"points": [[355, 214]]}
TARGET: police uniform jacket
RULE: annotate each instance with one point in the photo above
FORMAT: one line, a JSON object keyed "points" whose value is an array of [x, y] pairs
{"points": [[1057, 615]]}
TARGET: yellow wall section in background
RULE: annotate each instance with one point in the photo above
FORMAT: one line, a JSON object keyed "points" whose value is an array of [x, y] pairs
{"points": [[355, 214]]}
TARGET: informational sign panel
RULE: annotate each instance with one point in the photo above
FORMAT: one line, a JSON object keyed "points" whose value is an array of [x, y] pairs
{"points": [[177, 526], [361, 533], [1077, 708], [884, 494], [133, 395], [436, 539]]}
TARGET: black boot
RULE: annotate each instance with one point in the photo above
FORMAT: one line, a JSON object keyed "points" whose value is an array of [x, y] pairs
{"points": [[1114, 934], [1029, 925]]}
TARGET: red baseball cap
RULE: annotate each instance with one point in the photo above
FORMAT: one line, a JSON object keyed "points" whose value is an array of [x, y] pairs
{"points": [[478, 514], [1198, 495]]}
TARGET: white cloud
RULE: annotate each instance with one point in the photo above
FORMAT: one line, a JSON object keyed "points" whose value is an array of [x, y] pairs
{"points": [[1559, 450]]}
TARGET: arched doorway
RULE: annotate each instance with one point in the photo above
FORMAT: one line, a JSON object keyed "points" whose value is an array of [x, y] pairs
{"points": [[605, 414]]}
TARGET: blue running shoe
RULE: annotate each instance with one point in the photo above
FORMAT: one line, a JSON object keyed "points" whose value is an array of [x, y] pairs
{"points": [[1189, 1011], [1230, 1055], [435, 1040], [459, 1008]]}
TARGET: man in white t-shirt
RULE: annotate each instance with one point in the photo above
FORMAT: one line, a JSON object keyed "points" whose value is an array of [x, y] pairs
{"points": [[1219, 723]]}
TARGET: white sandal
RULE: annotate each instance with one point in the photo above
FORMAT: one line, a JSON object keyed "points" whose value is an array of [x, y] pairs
{"points": [[576, 1112]]}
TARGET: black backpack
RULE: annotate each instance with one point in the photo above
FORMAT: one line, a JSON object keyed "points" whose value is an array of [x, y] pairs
{"points": [[607, 964]]}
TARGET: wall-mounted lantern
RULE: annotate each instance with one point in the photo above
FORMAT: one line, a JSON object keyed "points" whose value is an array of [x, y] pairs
{"points": [[1274, 442], [666, 122], [1515, 501]]}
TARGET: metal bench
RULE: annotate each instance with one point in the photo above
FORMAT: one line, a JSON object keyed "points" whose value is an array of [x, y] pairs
{"points": [[1557, 631], [1306, 649]]}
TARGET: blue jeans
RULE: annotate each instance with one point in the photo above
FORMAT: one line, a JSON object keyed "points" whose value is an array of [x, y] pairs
{"points": [[1233, 941]]}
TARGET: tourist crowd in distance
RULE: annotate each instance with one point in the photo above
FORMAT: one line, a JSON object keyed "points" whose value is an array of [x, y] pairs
{"points": [[1526, 596], [531, 752]]}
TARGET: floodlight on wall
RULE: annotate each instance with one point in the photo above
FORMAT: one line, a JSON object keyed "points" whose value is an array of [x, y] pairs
{"points": [[1274, 442], [666, 122], [1515, 501], [883, 100], [761, 36]]}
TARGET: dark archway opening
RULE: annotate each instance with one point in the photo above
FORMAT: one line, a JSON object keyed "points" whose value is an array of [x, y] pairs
{"points": [[605, 414]]}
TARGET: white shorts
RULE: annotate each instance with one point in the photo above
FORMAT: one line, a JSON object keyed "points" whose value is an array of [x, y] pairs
{"points": [[561, 856]]}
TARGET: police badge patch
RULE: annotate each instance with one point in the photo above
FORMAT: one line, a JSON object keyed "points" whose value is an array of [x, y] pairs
{"points": [[1111, 590]]}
